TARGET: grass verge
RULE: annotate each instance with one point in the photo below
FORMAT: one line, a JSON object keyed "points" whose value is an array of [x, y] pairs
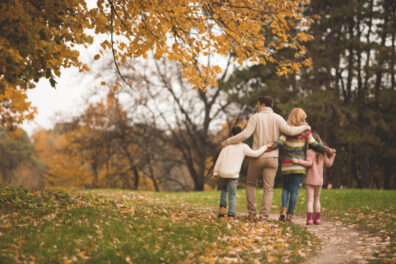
{"points": [[128, 227], [370, 210]]}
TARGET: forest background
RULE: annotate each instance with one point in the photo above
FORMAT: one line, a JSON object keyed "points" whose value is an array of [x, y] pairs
{"points": [[163, 135]]}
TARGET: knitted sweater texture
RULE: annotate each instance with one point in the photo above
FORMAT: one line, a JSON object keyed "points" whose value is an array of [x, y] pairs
{"points": [[295, 148]]}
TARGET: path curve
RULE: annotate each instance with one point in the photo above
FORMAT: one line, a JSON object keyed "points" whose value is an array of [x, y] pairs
{"points": [[340, 243]]}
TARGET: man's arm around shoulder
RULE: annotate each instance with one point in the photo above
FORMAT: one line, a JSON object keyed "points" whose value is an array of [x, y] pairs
{"points": [[284, 128], [246, 133]]}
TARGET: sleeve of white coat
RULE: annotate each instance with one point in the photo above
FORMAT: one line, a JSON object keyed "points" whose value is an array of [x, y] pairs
{"points": [[254, 153]]}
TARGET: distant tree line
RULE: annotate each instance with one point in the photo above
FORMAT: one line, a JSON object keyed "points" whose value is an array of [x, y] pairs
{"points": [[166, 135], [349, 93]]}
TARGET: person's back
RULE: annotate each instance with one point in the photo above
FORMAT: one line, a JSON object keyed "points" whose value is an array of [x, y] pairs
{"points": [[292, 171], [266, 127], [228, 166], [267, 130], [232, 157], [314, 179], [314, 174], [295, 149], [229, 162]]}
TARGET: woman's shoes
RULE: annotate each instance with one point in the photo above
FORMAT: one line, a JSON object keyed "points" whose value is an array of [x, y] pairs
{"points": [[310, 218]]}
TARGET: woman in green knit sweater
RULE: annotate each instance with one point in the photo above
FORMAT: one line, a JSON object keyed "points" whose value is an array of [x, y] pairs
{"points": [[295, 148]]}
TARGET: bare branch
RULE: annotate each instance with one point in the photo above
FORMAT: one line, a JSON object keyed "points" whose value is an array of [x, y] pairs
{"points": [[112, 45]]}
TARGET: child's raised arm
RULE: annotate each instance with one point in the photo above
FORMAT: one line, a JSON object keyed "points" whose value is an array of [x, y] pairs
{"points": [[255, 153], [328, 162]]}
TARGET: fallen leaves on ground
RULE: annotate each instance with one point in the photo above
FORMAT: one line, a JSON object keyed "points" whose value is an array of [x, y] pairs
{"points": [[58, 226]]}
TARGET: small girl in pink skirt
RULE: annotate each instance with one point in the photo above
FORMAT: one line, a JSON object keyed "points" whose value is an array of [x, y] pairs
{"points": [[314, 179]]}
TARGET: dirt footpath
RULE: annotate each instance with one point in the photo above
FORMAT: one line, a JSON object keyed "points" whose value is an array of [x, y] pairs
{"points": [[341, 243]]}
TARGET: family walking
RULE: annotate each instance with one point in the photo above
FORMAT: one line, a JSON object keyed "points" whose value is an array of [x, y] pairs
{"points": [[305, 154]]}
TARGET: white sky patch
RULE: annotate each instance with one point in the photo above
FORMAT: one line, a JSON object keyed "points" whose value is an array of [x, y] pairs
{"points": [[70, 96]]}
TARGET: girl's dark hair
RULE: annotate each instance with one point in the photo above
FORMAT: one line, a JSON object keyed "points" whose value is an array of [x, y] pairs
{"points": [[236, 130]]}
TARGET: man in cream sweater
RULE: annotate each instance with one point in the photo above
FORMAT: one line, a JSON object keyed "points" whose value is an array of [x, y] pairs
{"points": [[266, 127], [228, 166]]}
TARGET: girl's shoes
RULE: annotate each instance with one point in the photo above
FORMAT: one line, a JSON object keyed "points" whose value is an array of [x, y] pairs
{"points": [[282, 216], [289, 218], [317, 218], [310, 218]]}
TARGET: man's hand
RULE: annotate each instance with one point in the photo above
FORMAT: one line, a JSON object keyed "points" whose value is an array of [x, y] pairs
{"points": [[224, 144], [334, 150], [294, 160], [215, 177]]}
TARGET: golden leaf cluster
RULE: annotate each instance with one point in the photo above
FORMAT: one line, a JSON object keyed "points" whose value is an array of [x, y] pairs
{"points": [[38, 37], [183, 30], [36, 41]]}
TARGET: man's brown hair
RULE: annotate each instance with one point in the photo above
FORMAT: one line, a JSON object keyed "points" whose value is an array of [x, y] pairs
{"points": [[265, 100]]}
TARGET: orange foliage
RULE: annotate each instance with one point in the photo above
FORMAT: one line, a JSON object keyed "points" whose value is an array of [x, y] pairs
{"points": [[182, 30], [64, 163], [37, 38], [83, 153], [14, 108]]}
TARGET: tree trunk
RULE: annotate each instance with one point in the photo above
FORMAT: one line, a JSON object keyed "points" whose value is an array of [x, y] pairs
{"points": [[136, 178], [379, 72], [350, 60], [359, 51], [389, 174]]}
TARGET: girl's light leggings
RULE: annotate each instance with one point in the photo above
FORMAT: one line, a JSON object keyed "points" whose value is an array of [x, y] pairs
{"points": [[313, 197]]}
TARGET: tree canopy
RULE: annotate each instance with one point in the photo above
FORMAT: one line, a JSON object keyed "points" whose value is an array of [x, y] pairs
{"points": [[39, 37], [36, 41], [349, 93]]}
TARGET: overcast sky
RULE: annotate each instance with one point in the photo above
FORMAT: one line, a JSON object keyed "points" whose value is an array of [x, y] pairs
{"points": [[67, 99]]}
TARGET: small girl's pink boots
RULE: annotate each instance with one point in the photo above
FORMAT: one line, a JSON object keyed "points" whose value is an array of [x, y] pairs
{"points": [[310, 218], [317, 218]]}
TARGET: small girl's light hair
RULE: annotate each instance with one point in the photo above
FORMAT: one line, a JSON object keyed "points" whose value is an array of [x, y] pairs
{"points": [[297, 117]]}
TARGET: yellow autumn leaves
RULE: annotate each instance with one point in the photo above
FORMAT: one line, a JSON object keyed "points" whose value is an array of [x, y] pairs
{"points": [[181, 30]]}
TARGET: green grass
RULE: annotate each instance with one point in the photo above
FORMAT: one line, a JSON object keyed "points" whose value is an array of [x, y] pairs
{"points": [[111, 226], [120, 226], [369, 210]]}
